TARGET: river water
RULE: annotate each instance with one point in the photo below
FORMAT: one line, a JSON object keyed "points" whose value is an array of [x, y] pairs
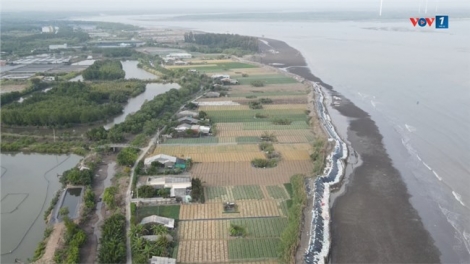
{"points": [[151, 90], [412, 81], [28, 184]]}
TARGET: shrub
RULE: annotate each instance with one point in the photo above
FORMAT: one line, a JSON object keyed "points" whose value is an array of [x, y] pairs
{"points": [[266, 146], [259, 115], [282, 121], [197, 190], [266, 100], [257, 83], [244, 74], [251, 96], [255, 105], [264, 163], [266, 136], [237, 230]]}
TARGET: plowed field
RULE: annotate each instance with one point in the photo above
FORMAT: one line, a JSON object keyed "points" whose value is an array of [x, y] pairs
{"points": [[242, 173], [246, 208]]}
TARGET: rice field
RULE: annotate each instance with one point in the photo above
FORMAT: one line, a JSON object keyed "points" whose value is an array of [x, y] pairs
{"points": [[202, 251], [225, 157], [278, 133], [269, 88], [215, 67], [208, 149], [270, 126]]}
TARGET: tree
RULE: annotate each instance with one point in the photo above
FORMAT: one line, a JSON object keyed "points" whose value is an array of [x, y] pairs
{"points": [[108, 197], [64, 212], [159, 230], [202, 114], [127, 156]]}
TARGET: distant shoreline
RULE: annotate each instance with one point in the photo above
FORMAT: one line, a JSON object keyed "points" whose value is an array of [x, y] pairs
{"points": [[373, 221]]}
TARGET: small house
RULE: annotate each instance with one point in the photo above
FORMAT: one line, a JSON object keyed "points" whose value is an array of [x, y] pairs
{"points": [[166, 160], [204, 129], [162, 260], [183, 127], [185, 113], [220, 76], [195, 128], [212, 94], [164, 221], [188, 120], [178, 185]]}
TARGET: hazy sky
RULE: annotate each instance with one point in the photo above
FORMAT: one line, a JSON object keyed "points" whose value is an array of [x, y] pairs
{"points": [[223, 5]]}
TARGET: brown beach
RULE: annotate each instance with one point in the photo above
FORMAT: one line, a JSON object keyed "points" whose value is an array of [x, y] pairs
{"points": [[373, 221]]}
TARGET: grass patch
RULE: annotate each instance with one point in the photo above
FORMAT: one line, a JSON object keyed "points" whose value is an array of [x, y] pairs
{"points": [[170, 211], [247, 192], [289, 190], [248, 116], [242, 140]]}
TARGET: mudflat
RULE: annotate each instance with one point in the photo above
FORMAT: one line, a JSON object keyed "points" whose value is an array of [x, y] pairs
{"points": [[373, 221]]}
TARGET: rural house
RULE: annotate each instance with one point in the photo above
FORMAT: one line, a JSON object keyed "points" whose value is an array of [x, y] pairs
{"points": [[166, 222], [166, 160], [188, 120], [187, 113], [162, 260], [212, 94], [183, 127], [178, 185]]}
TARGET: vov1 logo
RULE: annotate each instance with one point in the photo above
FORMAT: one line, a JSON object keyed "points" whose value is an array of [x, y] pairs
{"points": [[441, 21]]}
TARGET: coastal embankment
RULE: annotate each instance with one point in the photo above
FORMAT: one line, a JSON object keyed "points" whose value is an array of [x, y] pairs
{"points": [[373, 221]]}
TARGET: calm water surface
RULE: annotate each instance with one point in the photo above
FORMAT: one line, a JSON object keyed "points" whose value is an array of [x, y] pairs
{"points": [[28, 184]]}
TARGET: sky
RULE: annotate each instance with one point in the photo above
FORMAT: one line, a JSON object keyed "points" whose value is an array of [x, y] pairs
{"points": [[189, 6]]}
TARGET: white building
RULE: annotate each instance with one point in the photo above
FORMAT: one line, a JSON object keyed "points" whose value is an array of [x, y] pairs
{"points": [[179, 55], [162, 260], [220, 76], [177, 184], [167, 222], [57, 47], [166, 160]]}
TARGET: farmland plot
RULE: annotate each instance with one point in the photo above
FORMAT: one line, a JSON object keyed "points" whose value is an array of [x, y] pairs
{"points": [[277, 192], [226, 157], [270, 88], [203, 230], [267, 93], [252, 248], [202, 251], [270, 126], [187, 150], [247, 192], [249, 115], [223, 107], [218, 194], [203, 140], [278, 133], [242, 173], [246, 208], [262, 227], [268, 79]]}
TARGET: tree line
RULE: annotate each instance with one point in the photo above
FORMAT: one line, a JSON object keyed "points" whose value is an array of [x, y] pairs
{"points": [[69, 103], [104, 70], [223, 41]]}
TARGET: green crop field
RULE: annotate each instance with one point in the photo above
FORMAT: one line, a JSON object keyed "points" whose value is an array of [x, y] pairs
{"points": [[205, 140], [271, 126], [247, 140], [267, 79], [232, 94], [285, 206], [231, 116], [171, 211], [253, 248], [262, 227], [215, 192], [224, 67], [247, 192], [277, 192]]}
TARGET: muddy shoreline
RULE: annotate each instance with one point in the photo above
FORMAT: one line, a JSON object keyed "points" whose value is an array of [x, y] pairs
{"points": [[373, 220]]}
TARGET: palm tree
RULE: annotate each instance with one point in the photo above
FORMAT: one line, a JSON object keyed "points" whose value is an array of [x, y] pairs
{"points": [[138, 243], [136, 230], [148, 249], [159, 230]]}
